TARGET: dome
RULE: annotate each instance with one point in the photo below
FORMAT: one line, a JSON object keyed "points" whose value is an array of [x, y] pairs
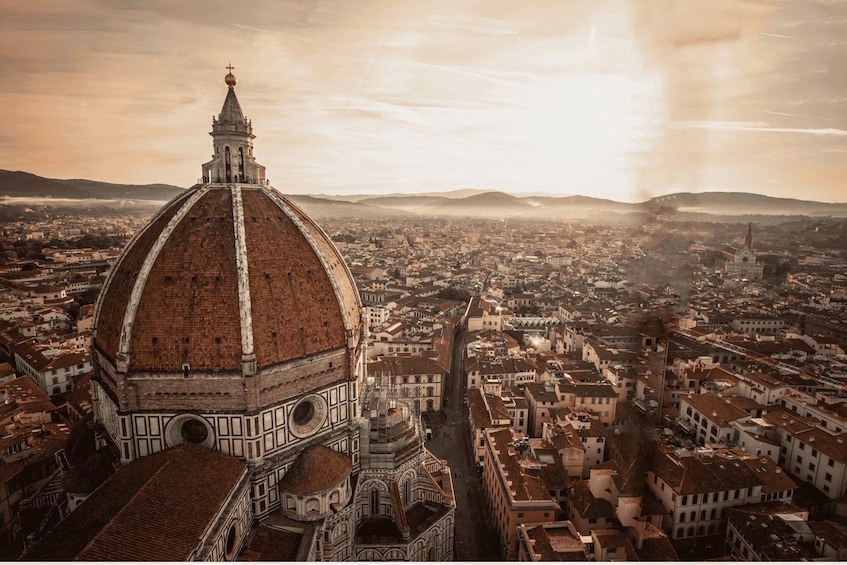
{"points": [[230, 278], [317, 469], [316, 485]]}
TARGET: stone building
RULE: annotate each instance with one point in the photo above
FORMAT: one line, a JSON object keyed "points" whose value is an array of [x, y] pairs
{"points": [[745, 264], [517, 487], [228, 346], [697, 490], [420, 380]]}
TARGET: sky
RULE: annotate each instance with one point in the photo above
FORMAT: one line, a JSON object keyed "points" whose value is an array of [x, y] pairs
{"points": [[618, 99]]}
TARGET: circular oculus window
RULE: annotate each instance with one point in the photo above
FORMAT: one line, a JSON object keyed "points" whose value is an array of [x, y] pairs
{"points": [[193, 431], [307, 416], [303, 413], [189, 428], [232, 541]]}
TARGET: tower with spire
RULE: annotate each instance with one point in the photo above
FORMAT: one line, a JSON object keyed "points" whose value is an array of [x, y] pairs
{"points": [[228, 358], [232, 135], [744, 263]]}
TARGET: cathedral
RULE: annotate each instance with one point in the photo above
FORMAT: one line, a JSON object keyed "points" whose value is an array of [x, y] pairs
{"points": [[230, 398], [744, 263]]}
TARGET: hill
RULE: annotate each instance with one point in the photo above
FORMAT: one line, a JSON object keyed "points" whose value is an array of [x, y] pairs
{"points": [[685, 206], [19, 184], [459, 193], [485, 205], [326, 208], [736, 203]]}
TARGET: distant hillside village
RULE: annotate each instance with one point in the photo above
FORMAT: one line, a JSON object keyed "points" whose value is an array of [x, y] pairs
{"points": [[630, 392]]}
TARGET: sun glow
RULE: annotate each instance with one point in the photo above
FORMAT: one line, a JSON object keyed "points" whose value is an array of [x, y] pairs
{"points": [[586, 130], [623, 99]]}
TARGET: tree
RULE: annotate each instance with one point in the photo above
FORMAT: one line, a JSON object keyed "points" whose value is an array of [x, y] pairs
{"points": [[452, 293], [73, 310], [88, 296]]}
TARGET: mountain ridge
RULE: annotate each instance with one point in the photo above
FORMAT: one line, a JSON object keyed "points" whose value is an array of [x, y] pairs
{"points": [[462, 202], [28, 185]]}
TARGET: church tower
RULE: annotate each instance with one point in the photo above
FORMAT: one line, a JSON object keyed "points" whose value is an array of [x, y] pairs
{"points": [[745, 264], [232, 136], [228, 355]]}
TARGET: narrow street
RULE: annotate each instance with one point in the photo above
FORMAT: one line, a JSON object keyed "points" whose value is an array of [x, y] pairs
{"points": [[475, 537]]}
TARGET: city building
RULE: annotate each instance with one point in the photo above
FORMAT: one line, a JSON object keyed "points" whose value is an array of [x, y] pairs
{"points": [[229, 383], [53, 369], [486, 411], [418, 379], [710, 417], [515, 487], [770, 531], [28, 453], [483, 315], [697, 489], [744, 263]]}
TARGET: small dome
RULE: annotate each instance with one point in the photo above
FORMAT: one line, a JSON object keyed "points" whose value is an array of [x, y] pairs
{"points": [[316, 470], [230, 80]]}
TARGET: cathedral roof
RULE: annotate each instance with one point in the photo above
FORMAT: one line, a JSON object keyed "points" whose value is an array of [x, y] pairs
{"points": [[273, 544], [224, 272], [114, 523], [317, 468], [229, 276]]}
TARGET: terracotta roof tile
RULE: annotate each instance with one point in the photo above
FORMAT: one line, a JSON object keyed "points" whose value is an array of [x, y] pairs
{"points": [[316, 469], [190, 300], [120, 283], [834, 533], [656, 546], [139, 513], [714, 408], [831, 445], [295, 311], [524, 485], [478, 409], [272, 544], [302, 298], [724, 471], [556, 543], [587, 505]]}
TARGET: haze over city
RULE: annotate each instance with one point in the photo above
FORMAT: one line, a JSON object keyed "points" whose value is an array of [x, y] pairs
{"points": [[623, 100], [429, 349]]}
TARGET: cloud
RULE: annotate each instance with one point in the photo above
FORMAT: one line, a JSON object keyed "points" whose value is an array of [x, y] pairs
{"points": [[756, 126], [409, 95]]}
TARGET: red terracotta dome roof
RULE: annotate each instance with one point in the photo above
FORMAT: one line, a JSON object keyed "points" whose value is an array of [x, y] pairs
{"points": [[223, 273], [317, 469]]}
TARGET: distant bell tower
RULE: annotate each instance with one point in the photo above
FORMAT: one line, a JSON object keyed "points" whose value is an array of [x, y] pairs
{"points": [[232, 137], [745, 264]]}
